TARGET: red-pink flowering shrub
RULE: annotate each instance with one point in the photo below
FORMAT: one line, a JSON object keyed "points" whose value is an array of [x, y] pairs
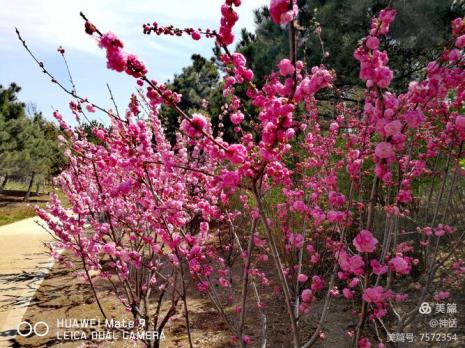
{"points": [[359, 204]]}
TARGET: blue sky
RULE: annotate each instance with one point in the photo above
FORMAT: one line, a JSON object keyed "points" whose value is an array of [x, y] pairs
{"points": [[47, 24]]}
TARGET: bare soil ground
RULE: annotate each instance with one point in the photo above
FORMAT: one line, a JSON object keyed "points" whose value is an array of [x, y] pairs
{"points": [[64, 296]]}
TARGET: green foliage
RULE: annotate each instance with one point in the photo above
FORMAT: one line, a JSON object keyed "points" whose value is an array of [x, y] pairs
{"points": [[89, 128], [28, 144], [13, 123], [197, 82]]}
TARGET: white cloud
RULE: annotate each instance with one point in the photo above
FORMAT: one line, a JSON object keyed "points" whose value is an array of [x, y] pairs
{"points": [[57, 22]]}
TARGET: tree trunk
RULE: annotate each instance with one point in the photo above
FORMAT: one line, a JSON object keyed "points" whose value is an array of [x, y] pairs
{"points": [[31, 182], [5, 180], [38, 187]]}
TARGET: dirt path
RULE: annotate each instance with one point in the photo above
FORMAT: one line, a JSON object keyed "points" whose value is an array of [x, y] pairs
{"points": [[23, 264]]}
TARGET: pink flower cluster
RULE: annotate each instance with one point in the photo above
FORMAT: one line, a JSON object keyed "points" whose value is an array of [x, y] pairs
{"points": [[373, 62], [283, 11], [365, 242], [400, 264], [295, 191], [229, 18], [195, 126], [118, 60], [380, 25], [319, 79], [375, 295]]}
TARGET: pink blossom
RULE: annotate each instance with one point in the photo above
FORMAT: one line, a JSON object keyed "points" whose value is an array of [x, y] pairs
{"points": [[400, 297], [100, 134], [334, 292], [299, 206], [109, 248], [310, 248], [404, 196], [460, 122], [90, 108], [334, 127], [202, 286], [320, 78], [195, 126], [372, 42], [365, 242], [428, 231], [364, 343], [285, 67], [348, 294], [453, 55], [336, 199], [196, 35], [307, 295], [457, 26], [384, 150], [135, 67], [246, 339], [441, 295], [236, 118], [237, 153], [335, 216], [377, 267], [354, 282], [383, 76], [393, 128], [296, 240], [125, 187], [228, 20], [374, 295], [138, 191], [315, 258], [352, 264], [439, 232], [460, 42], [317, 283], [387, 15], [204, 227], [116, 60], [223, 282], [231, 180], [379, 312], [400, 265], [110, 40], [280, 12], [304, 307]]}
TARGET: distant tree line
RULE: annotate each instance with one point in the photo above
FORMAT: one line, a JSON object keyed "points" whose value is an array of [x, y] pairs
{"points": [[28, 143]]}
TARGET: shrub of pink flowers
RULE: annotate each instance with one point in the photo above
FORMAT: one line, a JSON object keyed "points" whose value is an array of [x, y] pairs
{"points": [[355, 209]]}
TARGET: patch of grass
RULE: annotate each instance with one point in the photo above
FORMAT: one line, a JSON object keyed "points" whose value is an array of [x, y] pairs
{"points": [[17, 186], [15, 212], [12, 207]]}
